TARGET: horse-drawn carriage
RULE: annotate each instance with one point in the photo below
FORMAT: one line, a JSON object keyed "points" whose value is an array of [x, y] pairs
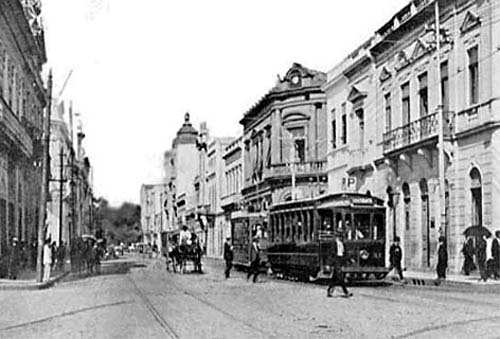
{"points": [[180, 253]]}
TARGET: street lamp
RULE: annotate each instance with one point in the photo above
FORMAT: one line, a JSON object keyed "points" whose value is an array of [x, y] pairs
{"points": [[392, 203]]}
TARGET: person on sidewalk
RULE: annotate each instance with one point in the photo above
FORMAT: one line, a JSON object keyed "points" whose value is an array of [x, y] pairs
{"points": [[395, 256], [481, 258], [442, 263], [61, 256], [338, 260], [228, 257], [254, 260], [14, 259], [47, 260], [495, 251], [489, 256], [468, 253]]}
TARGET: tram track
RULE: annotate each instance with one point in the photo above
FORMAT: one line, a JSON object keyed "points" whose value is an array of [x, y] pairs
{"points": [[63, 315], [169, 331]]}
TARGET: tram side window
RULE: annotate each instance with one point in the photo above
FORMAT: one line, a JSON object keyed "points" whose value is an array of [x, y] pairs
{"points": [[378, 226], [362, 226], [349, 231], [299, 231]]}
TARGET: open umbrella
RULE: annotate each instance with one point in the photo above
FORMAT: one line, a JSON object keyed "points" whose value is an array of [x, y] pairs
{"points": [[88, 236], [476, 231]]}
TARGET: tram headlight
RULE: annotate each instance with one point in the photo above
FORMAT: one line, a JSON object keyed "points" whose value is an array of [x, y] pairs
{"points": [[364, 255]]}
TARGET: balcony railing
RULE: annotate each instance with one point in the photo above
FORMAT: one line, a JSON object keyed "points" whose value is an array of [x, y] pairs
{"points": [[14, 130], [310, 167], [417, 131]]}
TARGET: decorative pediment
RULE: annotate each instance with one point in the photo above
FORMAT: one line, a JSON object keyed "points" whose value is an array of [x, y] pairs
{"points": [[471, 21], [384, 74], [294, 117], [356, 95], [421, 49], [402, 60]]}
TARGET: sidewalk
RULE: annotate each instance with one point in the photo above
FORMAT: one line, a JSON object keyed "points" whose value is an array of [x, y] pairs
{"points": [[31, 284], [429, 278], [26, 280]]}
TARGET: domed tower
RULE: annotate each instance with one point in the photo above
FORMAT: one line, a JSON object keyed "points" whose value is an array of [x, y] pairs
{"points": [[186, 162]]}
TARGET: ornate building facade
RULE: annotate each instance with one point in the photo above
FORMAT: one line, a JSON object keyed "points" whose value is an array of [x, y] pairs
{"points": [[285, 142], [23, 98], [384, 104]]}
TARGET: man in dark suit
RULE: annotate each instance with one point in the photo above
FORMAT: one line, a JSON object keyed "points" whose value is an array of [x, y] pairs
{"points": [[495, 253], [228, 256], [254, 260], [338, 260], [395, 256]]}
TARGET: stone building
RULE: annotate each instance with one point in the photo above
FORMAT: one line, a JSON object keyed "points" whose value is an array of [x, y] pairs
{"points": [[215, 187], [285, 142], [233, 183], [23, 98], [185, 157], [153, 218], [383, 102]]}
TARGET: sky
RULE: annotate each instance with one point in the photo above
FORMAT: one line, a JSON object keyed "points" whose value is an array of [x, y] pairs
{"points": [[139, 66]]}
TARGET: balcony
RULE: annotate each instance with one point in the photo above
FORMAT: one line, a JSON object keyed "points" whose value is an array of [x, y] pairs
{"points": [[15, 132], [417, 131], [300, 168]]}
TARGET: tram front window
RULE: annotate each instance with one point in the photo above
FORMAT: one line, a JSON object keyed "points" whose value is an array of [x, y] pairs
{"points": [[378, 226], [361, 226]]}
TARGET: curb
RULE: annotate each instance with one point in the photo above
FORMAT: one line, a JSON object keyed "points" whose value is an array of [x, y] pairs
{"points": [[30, 285]]}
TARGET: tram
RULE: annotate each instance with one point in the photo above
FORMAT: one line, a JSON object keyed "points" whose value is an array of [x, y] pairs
{"points": [[245, 227], [302, 236]]}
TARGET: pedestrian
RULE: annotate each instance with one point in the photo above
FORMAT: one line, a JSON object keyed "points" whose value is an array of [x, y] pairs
{"points": [[468, 253], [481, 258], [395, 256], [14, 259], [228, 256], [338, 261], [155, 250], [254, 260], [53, 248], [33, 254], [61, 255], [490, 262], [47, 260], [495, 250], [442, 263]]}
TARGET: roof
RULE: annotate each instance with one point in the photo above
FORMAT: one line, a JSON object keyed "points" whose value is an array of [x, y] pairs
{"points": [[309, 80], [187, 134]]}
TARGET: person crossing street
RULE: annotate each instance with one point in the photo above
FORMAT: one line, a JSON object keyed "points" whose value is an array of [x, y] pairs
{"points": [[228, 257], [395, 256], [338, 261], [254, 260]]}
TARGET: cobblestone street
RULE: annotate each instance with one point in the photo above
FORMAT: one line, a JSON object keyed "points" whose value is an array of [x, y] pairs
{"points": [[139, 299]]}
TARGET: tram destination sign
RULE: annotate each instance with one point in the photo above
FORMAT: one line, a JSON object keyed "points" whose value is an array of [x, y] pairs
{"points": [[362, 200]]}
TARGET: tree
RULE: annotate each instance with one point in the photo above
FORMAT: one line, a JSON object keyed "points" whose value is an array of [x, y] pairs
{"points": [[118, 224]]}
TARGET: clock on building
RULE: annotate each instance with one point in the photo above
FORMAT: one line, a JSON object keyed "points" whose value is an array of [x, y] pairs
{"points": [[295, 80]]}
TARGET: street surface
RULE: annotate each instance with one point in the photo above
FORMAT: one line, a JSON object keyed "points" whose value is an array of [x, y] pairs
{"points": [[137, 298]]}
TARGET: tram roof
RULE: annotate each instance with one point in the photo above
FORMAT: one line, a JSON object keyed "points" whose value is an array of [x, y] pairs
{"points": [[332, 200]]}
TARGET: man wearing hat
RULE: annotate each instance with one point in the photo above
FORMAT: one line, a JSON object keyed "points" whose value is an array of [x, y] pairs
{"points": [[395, 256], [254, 260], [228, 256], [338, 260], [14, 259]]}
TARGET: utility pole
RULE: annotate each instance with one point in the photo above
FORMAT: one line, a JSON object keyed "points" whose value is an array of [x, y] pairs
{"points": [[441, 159], [45, 182], [61, 187]]}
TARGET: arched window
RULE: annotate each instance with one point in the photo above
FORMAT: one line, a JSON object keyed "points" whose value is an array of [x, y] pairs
{"points": [[407, 199], [476, 197]]}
